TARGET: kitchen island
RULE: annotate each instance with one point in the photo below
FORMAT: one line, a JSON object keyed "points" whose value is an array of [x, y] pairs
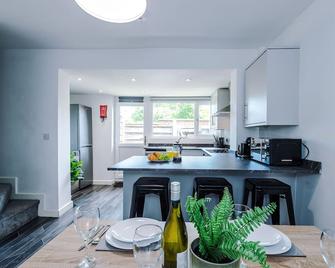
{"points": [[224, 165]]}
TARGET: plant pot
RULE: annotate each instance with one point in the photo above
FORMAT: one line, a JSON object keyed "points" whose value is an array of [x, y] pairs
{"points": [[74, 186], [198, 262]]}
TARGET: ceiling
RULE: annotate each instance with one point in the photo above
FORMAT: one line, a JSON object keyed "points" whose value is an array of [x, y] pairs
{"points": [[149, 82], [167, 23]]}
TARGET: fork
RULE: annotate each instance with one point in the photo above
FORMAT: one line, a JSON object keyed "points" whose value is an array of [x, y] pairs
{"points": [[96, 240]]}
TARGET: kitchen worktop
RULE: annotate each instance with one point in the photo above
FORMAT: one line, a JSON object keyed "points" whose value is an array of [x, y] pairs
{"points": [[216, 162], [218, 165]]}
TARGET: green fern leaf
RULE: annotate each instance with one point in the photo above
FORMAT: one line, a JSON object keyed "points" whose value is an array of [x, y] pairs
{"points": [[222, 238]]}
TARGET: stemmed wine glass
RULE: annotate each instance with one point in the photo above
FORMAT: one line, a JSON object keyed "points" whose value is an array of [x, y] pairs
{"points": [[147, 246], [239, 210], [327, 246], [86, 222]]}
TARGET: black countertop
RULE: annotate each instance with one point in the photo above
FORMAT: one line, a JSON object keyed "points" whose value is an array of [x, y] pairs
{"points": [[214, 163]]}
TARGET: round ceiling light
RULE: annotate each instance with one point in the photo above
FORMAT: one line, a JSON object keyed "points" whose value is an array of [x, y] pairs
{"points": [[117, 11]]}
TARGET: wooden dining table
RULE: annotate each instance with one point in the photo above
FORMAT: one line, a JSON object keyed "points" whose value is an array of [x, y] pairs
{"points": [[62, 251]]}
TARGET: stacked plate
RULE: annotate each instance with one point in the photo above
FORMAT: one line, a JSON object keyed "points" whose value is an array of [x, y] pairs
{"points": [[121, 234], [274, 241]]}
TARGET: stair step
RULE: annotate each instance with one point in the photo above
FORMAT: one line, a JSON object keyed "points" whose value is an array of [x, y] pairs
{"points": [[17, 214]]}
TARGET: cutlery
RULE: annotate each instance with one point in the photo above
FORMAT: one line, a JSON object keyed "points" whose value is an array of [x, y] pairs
{"points": [[90, 241], [97, 239]]}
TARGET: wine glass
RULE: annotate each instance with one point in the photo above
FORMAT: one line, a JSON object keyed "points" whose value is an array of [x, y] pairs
{"points": [[239, 210], [327, 246], [86, 222], [147, 246]]}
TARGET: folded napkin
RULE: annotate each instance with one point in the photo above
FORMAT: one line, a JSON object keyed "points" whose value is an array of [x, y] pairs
{"points": [[293, 252]]}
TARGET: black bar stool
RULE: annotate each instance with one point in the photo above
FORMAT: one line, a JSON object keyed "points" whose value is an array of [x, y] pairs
{"points": [[150, 185], [275, 189], [204, 186]]}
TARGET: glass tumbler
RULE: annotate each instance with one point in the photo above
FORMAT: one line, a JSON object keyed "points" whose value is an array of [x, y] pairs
{"points": [[147, 246], [327, 246]]}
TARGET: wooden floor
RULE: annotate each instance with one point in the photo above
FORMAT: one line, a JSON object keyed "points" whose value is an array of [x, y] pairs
{"points": [[29, 239]]}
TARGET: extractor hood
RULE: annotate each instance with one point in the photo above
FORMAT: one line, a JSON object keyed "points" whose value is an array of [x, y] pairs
{"points": [[222, 100]]}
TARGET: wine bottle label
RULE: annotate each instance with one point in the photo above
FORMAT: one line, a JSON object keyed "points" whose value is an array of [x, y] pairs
{"points": [[182, 259]]}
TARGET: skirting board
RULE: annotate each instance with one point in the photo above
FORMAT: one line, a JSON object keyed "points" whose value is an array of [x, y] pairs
{"points": [[104, 182], [42, 211]]}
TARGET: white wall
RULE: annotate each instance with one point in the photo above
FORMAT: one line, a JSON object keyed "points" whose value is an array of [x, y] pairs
{"points": [[30, 97], [314, 32], [102, 132]]}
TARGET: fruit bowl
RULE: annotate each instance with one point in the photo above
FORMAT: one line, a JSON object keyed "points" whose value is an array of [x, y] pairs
{"points": [[159, 157]]}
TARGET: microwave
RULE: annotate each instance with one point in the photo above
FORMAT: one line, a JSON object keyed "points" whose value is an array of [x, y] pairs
{"points": [[276, 152]]}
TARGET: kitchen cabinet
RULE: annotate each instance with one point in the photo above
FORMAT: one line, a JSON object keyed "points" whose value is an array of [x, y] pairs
{"points": [[272, 89], [220, 109]]}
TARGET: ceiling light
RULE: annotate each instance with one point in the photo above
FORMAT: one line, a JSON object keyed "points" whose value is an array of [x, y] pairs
{"points": [[79, 79], [101, 91], [133, 80], [188, 79], [117, 11]]}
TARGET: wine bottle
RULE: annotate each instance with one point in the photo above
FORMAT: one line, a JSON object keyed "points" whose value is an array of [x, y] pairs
{"points": [[175, 233]]}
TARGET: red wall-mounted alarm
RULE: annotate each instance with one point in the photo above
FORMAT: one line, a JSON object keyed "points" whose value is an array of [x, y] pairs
{"points": [[103, 112]]}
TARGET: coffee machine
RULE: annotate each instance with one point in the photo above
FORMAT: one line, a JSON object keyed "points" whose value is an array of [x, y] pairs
{"points": [[244, 149]]}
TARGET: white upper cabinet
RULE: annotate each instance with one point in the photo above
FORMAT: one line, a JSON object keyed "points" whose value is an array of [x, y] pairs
{"points": [[272, 89]]}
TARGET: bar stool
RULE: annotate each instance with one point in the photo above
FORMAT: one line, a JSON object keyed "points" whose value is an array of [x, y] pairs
{"points": [[150, 185], [275, 189], [204, 186]]}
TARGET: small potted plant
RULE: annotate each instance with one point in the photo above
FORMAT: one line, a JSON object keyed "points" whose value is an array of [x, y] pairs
{"points": [[76, 172], [223, 241]]}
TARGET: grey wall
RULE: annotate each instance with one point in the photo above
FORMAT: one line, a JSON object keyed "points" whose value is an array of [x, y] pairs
{"points": [[314, 32], [33, 102]]}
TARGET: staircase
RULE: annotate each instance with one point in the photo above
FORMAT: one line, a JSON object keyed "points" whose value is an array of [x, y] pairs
{"points": [[14, 213]]}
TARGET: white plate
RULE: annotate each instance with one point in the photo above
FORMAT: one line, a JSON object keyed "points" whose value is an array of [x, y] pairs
{"points": [[116, 243], [266, 235], [124, 230], [283, 246]]}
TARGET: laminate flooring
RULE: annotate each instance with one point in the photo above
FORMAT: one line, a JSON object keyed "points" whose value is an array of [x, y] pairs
{"points": [[19, 246]]}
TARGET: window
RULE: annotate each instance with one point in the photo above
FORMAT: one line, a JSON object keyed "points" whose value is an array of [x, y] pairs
{"points": [[173, 119], [131, 124], [180, 118], [204, 119]]}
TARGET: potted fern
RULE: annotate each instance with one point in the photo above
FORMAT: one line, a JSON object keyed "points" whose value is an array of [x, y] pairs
{"points": [[222, 241], [76, 172]]}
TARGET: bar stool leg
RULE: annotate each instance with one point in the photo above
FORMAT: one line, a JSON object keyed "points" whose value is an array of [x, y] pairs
{"points": [[290, 208], [133, 203], [230, 188], [164, 205], [140, 205], [245, 196], [259, 198], [276, 215], [201, 194]]}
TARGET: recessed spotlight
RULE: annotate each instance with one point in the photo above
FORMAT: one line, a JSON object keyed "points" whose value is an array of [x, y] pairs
{"points": [[133, 80], [117, 11], [79, 79], [101, 91], [188, 79]]}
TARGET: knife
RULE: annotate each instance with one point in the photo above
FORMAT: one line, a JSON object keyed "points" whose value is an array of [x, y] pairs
{"points": [[91, 240]]}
